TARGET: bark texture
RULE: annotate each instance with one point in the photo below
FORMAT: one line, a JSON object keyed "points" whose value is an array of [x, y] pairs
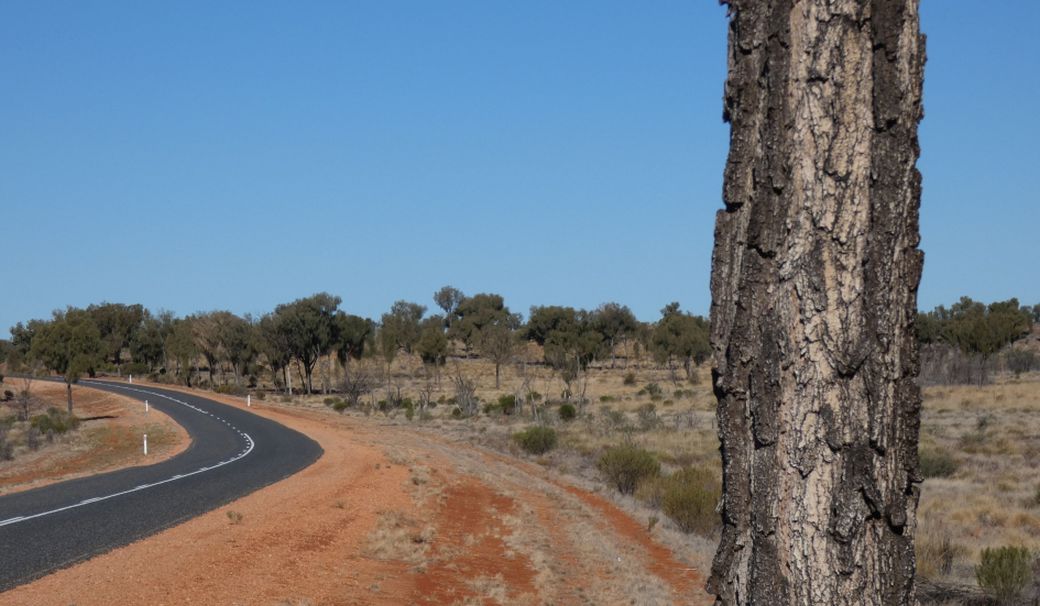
{"points": [[814, 297]]}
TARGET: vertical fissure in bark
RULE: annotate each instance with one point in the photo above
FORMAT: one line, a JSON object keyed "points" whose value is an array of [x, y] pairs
{"points": [[814, 280]]}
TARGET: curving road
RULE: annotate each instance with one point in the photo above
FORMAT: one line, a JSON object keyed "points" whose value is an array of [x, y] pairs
{"points": [[233, 453]]}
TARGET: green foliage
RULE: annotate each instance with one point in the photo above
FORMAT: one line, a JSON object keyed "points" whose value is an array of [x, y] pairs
{"points": [[55, 421], [1005, 572], [689, 498], [117, 325], [432, 345], [935, 462], [680, 338], [473, 314], [975, 328], [401, 327], [537, 439], [626, 465], [232, 390], [305, 329], [568, 412], [70, 344], [630, 378], [448, 299]]}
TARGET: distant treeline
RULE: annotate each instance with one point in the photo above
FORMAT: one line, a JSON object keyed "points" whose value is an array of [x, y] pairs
{"points": [[131, 339]]}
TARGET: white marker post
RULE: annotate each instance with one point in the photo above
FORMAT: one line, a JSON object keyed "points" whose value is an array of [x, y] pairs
{"points": [[146, 405], [131, 379], [146, 444], [249, 399]]}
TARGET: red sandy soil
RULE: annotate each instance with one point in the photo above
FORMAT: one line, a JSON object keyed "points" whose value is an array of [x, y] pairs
{"points": [[99, 445], [388, 515]]}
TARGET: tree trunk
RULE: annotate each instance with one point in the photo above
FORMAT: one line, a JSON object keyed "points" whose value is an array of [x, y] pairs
{"points": [[814, 287], [68, 392]]}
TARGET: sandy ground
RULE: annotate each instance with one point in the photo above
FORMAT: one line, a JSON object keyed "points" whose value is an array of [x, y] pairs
{"points": [[109, 438], [389, 516]]}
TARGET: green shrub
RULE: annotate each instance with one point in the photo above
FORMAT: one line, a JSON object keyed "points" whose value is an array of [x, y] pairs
{"points": [[630, 378], [689, 499], [607, 398], [626, 465], [568, 412], [340, 405], [329, 401], [653, 390], [507, 403], [55, 421], [1005, 572], [936, 462], [233, 390], [138, 369], [536, 440]]}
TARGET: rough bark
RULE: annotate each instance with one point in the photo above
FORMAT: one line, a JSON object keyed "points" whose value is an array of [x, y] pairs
{"points": [[814, 296]]}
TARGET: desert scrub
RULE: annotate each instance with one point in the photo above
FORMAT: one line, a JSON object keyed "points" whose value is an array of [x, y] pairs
{"points": [[536, 440], [935, 552], [689, 498], [936, 462], [1005, 572], [56, 421], [626, 465], [568, 412]]}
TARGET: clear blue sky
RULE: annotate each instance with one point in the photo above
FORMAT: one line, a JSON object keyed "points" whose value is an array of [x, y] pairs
{"points": [[235, 155]]}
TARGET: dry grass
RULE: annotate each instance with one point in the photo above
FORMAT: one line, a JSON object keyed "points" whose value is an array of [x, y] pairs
{"points": [[992, 433]]}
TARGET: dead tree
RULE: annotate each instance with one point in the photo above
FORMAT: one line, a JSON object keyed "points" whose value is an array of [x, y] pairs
{"points": [[814, 286]]}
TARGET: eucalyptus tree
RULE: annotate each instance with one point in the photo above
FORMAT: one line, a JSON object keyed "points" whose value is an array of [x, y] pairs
{"points": [[69, 344]]}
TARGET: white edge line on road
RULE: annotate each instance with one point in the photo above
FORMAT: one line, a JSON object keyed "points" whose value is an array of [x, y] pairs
{"points": [[249, 441]]}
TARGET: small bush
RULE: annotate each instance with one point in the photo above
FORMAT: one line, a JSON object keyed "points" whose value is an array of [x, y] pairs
{"points": [[653, 390], [536, 440], [607, 398], [626, 465], [689, 499], [329, 401], [8, 395], [630, 378], [234, 517], [936, 462], [1005, 572], [340, 405], [507, 403], [651, 491], [568, 412], [55, 421]]}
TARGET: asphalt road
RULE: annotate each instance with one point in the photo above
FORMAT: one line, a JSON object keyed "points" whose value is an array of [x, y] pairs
{"points": [[232, 453]]}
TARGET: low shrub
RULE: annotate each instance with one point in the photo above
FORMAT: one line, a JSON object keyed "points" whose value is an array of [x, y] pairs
{"points": [[689, 498], [231, 390], [340, 405], [626, 465], [1005, 572], [568, 412], [630, 378], [653, 390], [936, 462], [55, 421], [8, 395], [536, 440]]}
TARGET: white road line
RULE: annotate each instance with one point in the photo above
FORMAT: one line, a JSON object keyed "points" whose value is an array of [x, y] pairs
{"points": [[249, 442]]}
